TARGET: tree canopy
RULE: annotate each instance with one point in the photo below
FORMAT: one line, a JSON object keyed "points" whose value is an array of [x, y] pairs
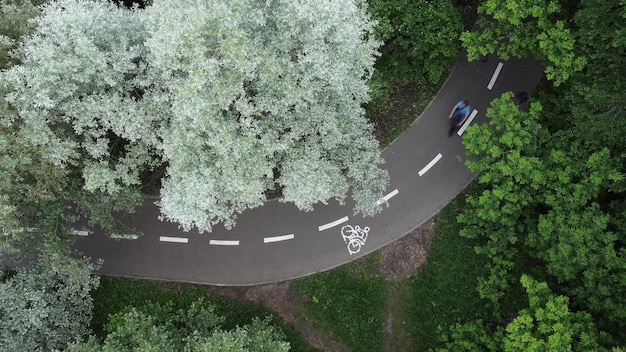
{"points": [[530, 28], [47, 307], [421, 38], [547, 324], [160, 328], [544, 200], [234, 100], [552, 185]]}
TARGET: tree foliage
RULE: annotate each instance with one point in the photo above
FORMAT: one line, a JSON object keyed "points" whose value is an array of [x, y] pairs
{"points": [[47, 307], [544, 201], [15, 23], [421, 37], [234, 99], [160, 328], [547, 324], [537, 28], [596, 97], [552, 179], [42, 197]]}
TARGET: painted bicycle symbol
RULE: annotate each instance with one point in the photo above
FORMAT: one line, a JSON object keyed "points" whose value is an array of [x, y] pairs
{"points": [[354, 237]]}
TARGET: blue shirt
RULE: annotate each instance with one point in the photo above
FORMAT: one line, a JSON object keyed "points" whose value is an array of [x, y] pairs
{"points": [[460, 112]]}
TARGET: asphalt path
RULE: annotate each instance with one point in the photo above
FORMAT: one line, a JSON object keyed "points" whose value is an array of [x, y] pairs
{"points": [[278, 242]]}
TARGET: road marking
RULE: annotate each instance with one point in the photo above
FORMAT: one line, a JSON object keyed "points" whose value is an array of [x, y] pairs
{"points": [[430, 164], [125, 236], [386, 198], [223, 243], [495, 75], [333, 224], [354, 237], [467, 122], [173, 239], [74, 232], [278, 238]]}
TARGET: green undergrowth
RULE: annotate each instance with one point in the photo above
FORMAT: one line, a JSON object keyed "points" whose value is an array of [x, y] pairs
{"points": [[348, 303], [399, 337], [444, 291], [115, 294]]}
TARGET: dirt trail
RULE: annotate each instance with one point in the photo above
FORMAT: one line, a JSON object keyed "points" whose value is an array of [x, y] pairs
{"points": [[285, 301], [401, 260]]}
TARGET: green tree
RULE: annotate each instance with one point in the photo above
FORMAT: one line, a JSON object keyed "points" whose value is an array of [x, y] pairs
{"points": [[553, 178], [529, 28], [596, 120], [160, 328], [510, 168], [233, 99], [547, 324], [597, 117], [543, 201], [47, 307], [589, 117], [421, 37]]}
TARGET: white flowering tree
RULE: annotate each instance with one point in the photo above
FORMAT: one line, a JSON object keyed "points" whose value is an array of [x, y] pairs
{"points": [[235, 98], [47, 307], [68, 123]]}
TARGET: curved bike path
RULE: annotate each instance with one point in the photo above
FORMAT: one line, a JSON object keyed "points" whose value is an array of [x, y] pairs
{"points": [[278, 242]]}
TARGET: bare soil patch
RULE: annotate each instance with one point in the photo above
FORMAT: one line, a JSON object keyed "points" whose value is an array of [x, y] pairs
{"points": [[282, 298], [403, 258], [403, 107]]}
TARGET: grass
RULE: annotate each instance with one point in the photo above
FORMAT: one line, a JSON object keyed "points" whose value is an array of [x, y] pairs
{"points": [[444, 292], [114, 294], [398, 303], [441, 295], [348, 303]]}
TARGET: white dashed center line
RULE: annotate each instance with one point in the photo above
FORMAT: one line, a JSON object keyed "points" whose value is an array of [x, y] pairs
{"points": [[173, 239], [125, 236], [430, 164], [278, 238], [333, 224], [387, 197], [223, 243], [467, 122], [495, 75]]}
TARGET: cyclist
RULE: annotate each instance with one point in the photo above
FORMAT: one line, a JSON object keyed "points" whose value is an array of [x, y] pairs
{"points": [[458, 115]]}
